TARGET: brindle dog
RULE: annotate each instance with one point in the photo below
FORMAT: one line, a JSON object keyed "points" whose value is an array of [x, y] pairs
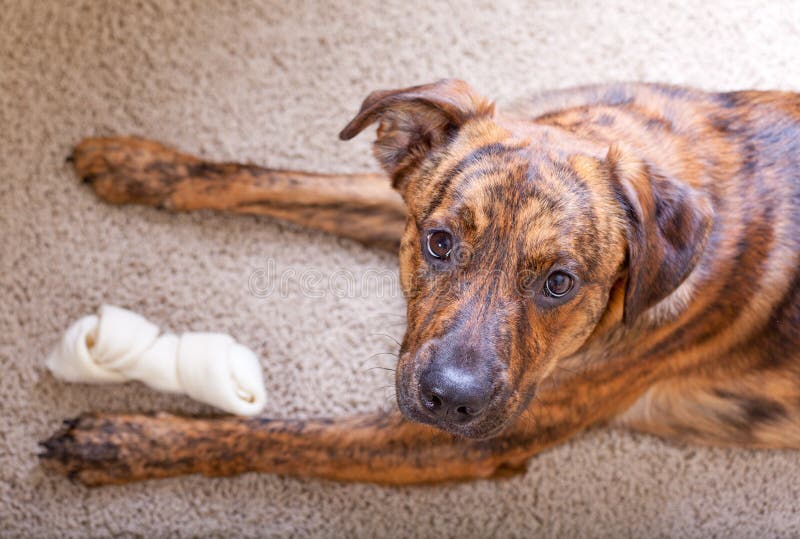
{"points": [[623, 253]]}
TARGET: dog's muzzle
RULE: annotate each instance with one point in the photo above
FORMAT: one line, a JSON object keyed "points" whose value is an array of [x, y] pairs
{"points": [[454, 386]]}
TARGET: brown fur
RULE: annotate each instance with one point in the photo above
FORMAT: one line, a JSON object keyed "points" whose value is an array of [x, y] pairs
{"points": [[677, 211]]}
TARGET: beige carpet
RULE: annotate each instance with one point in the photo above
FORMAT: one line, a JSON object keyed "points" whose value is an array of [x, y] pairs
{"points": [[273, 82]]}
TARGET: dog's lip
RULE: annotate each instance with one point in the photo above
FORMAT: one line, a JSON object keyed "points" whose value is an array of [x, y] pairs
{"points": [[478, 431], [481, 430]]}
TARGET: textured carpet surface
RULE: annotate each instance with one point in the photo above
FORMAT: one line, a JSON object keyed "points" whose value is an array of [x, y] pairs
{"points": [[273, 82]]}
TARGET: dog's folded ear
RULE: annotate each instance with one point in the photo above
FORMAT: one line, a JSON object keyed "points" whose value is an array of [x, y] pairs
{"points": [[668, 224], [413, 121]]}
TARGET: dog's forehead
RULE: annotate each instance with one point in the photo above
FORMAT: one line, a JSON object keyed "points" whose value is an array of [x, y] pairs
{"points": [[538, 205], [503, 188]]}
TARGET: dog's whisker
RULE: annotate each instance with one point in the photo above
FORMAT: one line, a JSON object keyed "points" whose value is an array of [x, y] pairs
{"points": [[387, 336], [363, 366], [382, 368], [393, 354]]}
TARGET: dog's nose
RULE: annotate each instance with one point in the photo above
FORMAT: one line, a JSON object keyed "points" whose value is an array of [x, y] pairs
{"points": [[454, 394]]}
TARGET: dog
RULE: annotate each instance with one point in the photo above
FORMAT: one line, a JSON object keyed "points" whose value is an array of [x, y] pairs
{"points": [[624, 254]]}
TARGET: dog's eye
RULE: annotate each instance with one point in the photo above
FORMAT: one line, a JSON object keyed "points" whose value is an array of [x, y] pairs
{"points": [[440, 244], [558, 284]]}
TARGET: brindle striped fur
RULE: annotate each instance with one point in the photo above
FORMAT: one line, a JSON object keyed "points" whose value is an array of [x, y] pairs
{"points": [[678, 211]]}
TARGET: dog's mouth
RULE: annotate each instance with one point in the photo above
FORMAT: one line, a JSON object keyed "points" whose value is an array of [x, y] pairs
{"points": [[488, 426]]}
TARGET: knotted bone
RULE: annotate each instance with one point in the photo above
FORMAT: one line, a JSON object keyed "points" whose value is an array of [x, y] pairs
{"points": [[118, 345]]}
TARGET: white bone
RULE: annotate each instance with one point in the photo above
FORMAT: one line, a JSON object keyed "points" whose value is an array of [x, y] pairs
{"points": [[118, 345]]}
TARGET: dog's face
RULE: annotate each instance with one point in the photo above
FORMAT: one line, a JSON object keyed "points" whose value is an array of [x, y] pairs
{"points": [[507, 262], [509, 257]]}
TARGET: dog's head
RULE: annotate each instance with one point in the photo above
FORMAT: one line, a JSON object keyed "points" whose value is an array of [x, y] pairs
{"points": [[516, 250]]}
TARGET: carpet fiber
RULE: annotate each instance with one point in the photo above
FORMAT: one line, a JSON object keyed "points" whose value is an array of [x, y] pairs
{"points": [[273, 82]]}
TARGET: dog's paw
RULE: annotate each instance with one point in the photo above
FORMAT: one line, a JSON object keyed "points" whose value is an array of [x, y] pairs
{"points": [[81, 451], [124, 170]]}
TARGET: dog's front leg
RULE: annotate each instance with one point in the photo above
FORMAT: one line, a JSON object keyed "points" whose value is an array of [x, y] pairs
{"points": [[126, 170], [382, 448]]}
